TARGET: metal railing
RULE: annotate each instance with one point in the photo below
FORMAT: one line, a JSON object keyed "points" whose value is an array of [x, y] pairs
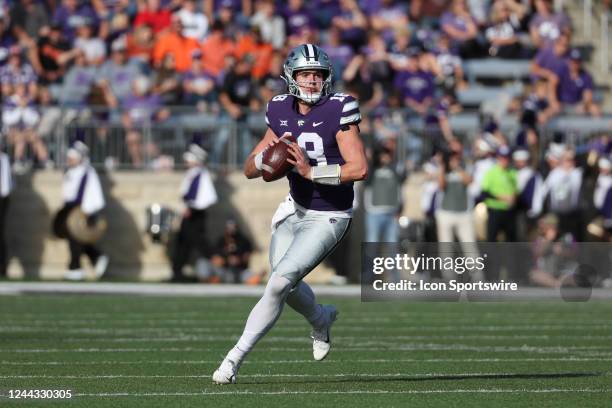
{"points": [[160, 145]]}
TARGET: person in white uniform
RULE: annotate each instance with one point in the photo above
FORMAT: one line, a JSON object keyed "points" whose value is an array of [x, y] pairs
{"points": [[81, 188], [198, 194]]}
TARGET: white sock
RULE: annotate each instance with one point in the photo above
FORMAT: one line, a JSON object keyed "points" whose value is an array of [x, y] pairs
{"points": [[263, 316], [302, 300]]}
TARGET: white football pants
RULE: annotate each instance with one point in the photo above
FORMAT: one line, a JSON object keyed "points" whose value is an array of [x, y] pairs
{"points": [[299, 244]]}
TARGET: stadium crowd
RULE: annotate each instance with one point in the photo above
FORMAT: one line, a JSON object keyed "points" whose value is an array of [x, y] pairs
{"points": [[126, 62], [130, 62]]}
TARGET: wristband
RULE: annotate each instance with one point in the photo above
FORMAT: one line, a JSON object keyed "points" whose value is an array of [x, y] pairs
{"points": [[329, 174]]}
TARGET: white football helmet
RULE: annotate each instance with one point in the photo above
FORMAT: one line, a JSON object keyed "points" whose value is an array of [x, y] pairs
{"points": [[307, 57]]}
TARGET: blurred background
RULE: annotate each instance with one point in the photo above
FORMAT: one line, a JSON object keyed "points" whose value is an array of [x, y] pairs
{"points": [[448, 90]]}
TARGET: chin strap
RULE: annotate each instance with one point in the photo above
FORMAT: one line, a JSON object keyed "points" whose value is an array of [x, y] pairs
{"points": [[329, 174]]}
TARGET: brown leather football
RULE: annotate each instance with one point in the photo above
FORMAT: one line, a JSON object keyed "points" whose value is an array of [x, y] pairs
{"points": [[274, 164]]}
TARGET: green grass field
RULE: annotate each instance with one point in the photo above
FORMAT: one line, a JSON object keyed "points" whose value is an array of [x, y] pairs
{"points": [[161, 351]]}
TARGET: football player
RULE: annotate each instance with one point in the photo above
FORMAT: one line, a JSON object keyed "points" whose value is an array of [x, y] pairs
{"points": [[328, 157]]}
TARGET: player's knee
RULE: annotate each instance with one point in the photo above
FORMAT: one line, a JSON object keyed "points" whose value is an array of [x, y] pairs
{"points": [[278, 286]]}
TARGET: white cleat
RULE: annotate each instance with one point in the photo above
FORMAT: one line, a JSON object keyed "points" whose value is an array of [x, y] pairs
{"points": [[321, 338], [101, 266], [226, 373], [74, 275]]}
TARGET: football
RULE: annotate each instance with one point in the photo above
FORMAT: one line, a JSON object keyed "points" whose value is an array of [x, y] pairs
{"points": [[274, 161]]}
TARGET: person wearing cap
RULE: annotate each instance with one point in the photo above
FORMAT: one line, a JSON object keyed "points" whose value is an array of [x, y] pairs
{"points": [[198, 194], [6, 187], [563, 187], [115, 76], [574, 87], [530, 188], [199, 85], [81, 188], [500, 189], [485, 159]]}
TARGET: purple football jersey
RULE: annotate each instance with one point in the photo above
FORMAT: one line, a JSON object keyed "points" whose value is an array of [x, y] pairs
{"points": [[316, 135]]}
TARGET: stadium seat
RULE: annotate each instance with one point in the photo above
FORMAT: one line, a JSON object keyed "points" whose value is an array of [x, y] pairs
{"points": [[475, 95], [495, 68]]}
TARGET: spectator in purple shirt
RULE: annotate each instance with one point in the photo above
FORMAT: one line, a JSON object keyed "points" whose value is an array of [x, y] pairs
{"points": [[415, 86], [298, 17], [547, 26], [339, 53], [352, 24], [575, 87], [550, 61], [71, 14], [324, 11], [199, 85], [462, 29], [391, 16]]}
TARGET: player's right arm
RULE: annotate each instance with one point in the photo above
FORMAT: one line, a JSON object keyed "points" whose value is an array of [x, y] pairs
{"points": [[250, 168]]}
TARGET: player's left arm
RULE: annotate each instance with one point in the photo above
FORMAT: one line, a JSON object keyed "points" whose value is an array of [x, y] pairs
{"points": [[355, 165]]}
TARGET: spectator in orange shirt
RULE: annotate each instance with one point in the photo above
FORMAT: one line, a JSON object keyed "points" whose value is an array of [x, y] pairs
{"points": [[159, 19], [216, 49], [253, 44], [173, 42]]}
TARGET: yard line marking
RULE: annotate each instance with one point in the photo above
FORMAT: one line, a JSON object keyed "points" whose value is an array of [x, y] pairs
{"points": [[296, 325], [350, 392], [186, 337], [310, 361], [381, 347], [277, 375]]}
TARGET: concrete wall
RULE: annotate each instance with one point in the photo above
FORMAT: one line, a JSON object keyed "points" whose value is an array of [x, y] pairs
{"points": [[35, 253]]}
